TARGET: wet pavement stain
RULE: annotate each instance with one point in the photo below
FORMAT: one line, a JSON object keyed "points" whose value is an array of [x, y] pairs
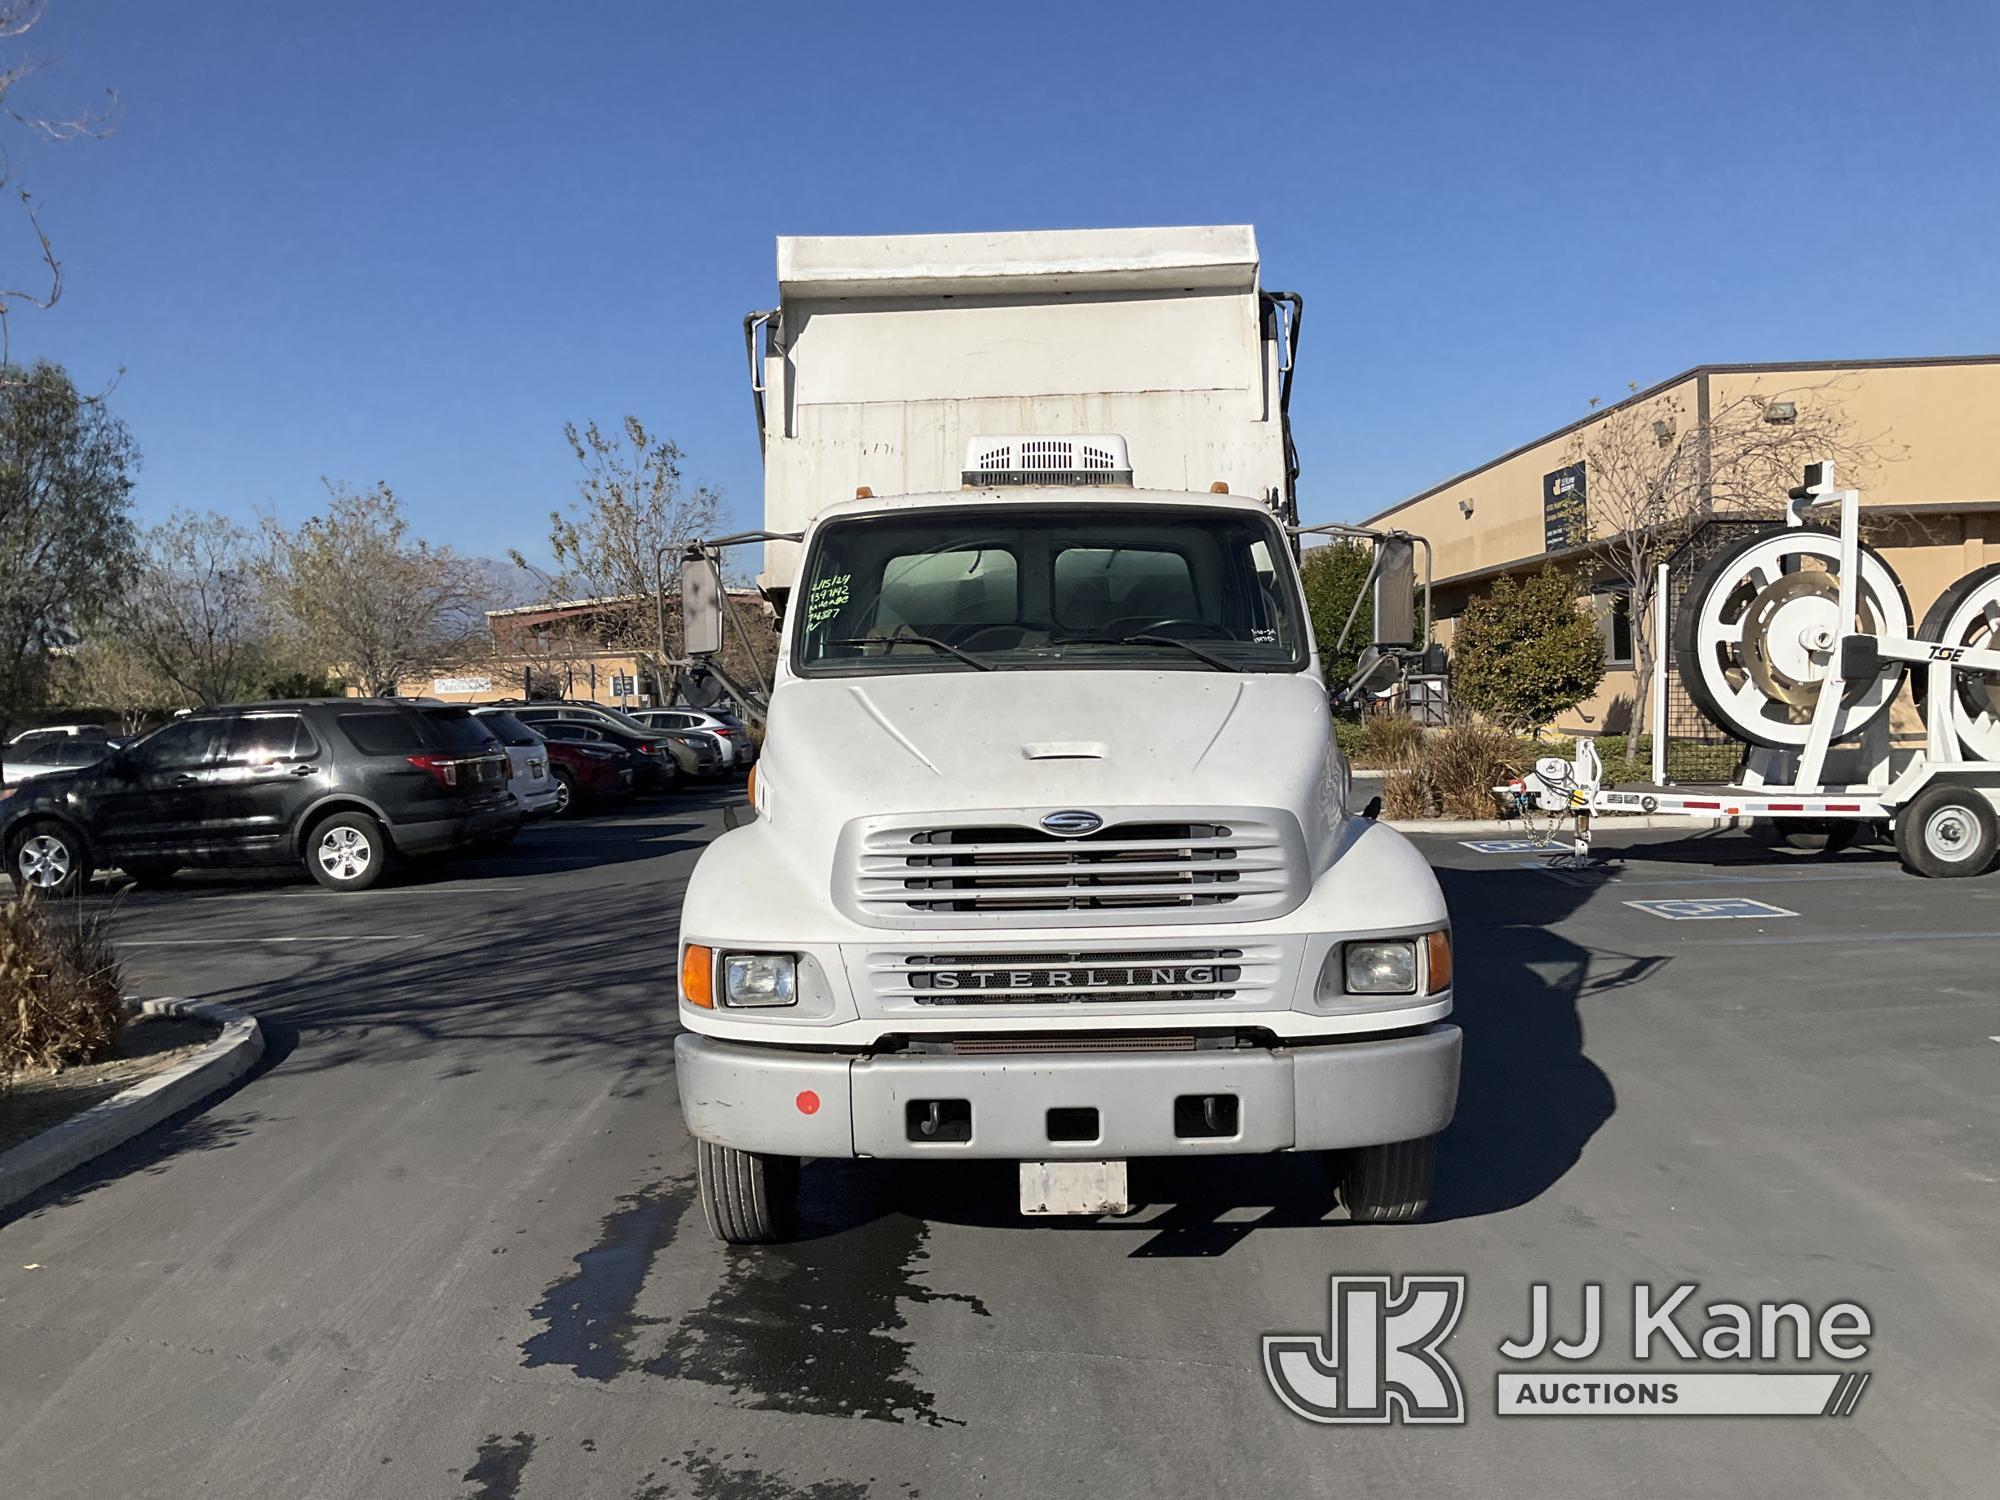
{"points": [[812, 1327], [589, 1316], [499, 1467]]}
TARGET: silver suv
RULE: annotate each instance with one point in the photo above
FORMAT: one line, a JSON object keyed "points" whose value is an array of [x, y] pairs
{"points": [[739, 752]]}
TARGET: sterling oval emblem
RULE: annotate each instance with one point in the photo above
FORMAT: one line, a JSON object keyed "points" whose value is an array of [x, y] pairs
{"points": [[1072, 824]]}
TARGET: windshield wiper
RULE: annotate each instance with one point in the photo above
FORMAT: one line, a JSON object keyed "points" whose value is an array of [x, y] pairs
{"points": [[922, 640], [1193, 650]]}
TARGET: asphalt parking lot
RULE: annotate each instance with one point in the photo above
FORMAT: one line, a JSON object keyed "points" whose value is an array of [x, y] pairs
{"points": [[442, 1241]]}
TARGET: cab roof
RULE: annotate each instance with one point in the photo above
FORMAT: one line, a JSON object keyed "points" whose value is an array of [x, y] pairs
{"points": [[1107, 496]]}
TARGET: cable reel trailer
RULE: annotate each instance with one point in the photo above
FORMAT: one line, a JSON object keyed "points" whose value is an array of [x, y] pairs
{"points": [[1797, 642]]}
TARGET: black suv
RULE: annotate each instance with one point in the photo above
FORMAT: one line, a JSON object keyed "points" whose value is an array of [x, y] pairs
{"points": [[346, 784]]}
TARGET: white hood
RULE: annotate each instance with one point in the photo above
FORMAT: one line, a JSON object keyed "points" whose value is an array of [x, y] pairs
{"points": [[947, 742]]}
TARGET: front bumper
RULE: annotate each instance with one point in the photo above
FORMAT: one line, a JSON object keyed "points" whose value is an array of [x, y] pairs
{"points": [[1300, 1097]]}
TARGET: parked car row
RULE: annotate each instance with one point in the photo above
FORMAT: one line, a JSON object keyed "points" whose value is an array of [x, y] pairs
{"points": [[345, 785], [42, 757]]}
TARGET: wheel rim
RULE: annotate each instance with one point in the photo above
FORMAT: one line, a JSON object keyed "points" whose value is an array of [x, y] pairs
{"points": [[44, 861], [562, 795], [1950, 834], [1764, 626], [345, 852]]}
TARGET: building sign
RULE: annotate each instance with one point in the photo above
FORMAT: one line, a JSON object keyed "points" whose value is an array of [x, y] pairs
{"points": [[442, 685], [1565, 511]]}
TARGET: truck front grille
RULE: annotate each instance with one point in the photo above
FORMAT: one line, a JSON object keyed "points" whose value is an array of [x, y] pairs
{"points": [[1139, 870]]}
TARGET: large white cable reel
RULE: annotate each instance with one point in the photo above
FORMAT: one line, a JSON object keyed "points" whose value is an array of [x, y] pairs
{"points": [[1967, 614], [1759, 630]]}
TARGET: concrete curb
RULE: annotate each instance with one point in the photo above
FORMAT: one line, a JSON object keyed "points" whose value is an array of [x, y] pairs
{"points": [[1606, 823], [133, 1111]]}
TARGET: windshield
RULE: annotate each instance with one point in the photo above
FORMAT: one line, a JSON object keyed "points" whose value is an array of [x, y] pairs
{"points": [[623, 720], [510, 729], [456, 729], [1027, 586]]}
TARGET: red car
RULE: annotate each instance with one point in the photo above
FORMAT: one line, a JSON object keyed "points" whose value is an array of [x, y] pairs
{"points": [[586, 774]]}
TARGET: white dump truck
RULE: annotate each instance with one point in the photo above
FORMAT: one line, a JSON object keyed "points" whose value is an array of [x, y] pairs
{"points": [[1051, 859]]}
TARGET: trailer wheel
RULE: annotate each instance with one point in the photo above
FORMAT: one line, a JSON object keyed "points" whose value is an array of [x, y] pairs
{"points": [[747, 1197], [1947, 831], [1388, 1184]]}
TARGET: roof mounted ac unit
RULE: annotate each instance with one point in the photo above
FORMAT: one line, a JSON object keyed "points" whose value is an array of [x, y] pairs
{"points": [[1079, 458]]}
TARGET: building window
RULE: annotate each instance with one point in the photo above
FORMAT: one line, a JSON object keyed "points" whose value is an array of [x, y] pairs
{"points": [[1614, 624]]}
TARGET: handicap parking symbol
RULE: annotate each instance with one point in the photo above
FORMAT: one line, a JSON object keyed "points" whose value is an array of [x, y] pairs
{"points": [[1722, 909], [1498, 846]]}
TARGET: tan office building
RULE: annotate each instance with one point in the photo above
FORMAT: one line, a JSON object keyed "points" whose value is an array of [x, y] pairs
{"points": [[1927, 430]]}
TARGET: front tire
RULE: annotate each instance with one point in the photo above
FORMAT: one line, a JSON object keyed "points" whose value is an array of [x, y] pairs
{"points": [[1388, 1184], [49, 859], [1947, 832], [748, 1198], [347, 852]]}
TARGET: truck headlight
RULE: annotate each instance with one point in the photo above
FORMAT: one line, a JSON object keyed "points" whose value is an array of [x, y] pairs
{"points": [[1384, 968], [760, 979]]}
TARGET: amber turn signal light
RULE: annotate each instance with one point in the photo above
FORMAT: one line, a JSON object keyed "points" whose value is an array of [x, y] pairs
{"points": [[1437, 948], [698, 976]]}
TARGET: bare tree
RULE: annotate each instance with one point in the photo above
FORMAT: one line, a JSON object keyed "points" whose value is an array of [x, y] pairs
{"points": [[196, 614], [107, 672], [17, 19], [367, 601], [620, 541], [1653, 472]]}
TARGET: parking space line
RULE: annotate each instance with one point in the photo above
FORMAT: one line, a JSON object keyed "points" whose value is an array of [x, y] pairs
{"points": [[1599, 874], [1842, 939]]}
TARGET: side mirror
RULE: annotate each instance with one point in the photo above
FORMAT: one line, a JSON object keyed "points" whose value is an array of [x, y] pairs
{"points": [[1395, 592], [701, 604]]}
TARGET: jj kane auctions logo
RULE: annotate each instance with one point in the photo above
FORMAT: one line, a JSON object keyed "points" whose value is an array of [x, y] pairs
{"points": [[1382, 1357]]}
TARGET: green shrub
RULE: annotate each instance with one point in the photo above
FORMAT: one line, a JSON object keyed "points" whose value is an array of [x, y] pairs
{"points": [[61, 995], [1332, 575], [1524, 652]]}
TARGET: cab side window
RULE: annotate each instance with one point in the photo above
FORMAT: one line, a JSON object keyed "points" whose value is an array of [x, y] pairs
{"points": [[180, 747], [270, 739]]}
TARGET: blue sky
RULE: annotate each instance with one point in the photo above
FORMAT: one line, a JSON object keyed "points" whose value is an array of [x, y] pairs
{"points": [[406, 241]]}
